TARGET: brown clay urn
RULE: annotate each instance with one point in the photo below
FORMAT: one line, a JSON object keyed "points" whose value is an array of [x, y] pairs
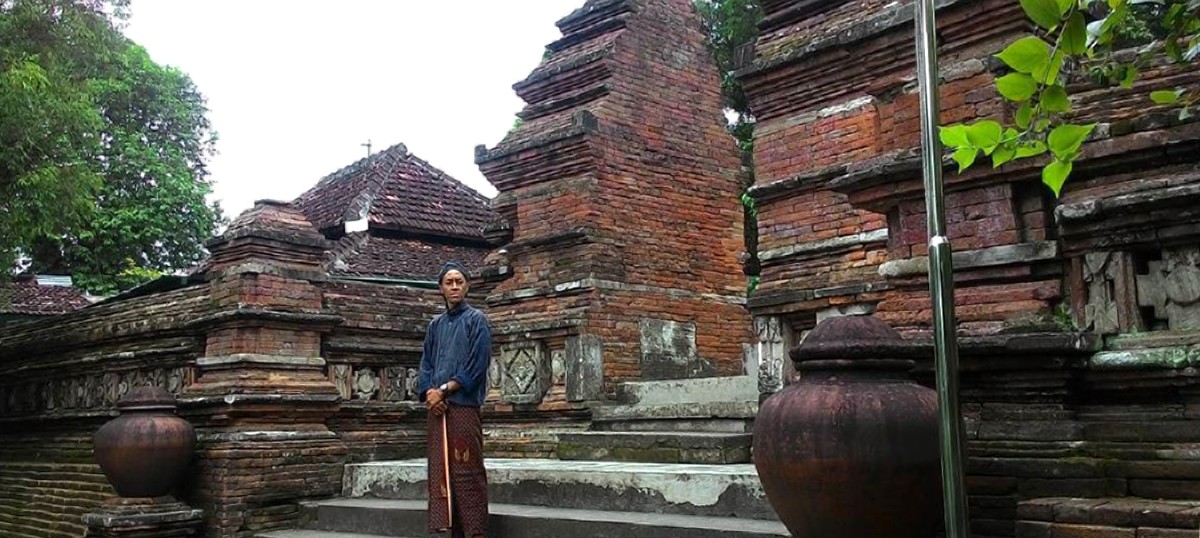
{"points": [[144, 451], [852, 448]]}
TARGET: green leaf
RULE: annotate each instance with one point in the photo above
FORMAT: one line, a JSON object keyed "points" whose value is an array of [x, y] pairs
{"points": [[1129, 76], [1055, 174], [965, 157], [1043, 12], [1066, 139], [984, 134], [1026, 55], [1031, 149], [1016, 87], [1054, 99], [1074, 35], [1048, 73], [1024, 115], [1064, 6], [1003, 154], [954, 136], [1166, 97]]}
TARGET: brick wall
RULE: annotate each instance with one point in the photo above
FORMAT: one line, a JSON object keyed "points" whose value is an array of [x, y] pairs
{"points": [[622, 188]]}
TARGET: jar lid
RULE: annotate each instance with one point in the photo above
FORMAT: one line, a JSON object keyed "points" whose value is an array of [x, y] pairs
{"points": [[147, 397], [856, 339]]}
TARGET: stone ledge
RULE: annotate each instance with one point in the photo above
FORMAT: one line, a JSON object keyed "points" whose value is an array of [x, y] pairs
{"points": [[1146, 359], [260, 359], [315, 321], [970, 259], [798, 296], [824, 245]]}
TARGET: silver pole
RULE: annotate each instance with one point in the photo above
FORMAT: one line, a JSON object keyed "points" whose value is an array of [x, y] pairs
{"points": [[941, 279]]}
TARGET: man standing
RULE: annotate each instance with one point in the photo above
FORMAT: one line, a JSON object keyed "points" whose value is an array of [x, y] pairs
{"points": [[453, 384]]}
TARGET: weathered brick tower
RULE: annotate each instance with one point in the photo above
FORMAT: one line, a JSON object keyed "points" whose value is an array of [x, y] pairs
{"points": [[621, 190]]}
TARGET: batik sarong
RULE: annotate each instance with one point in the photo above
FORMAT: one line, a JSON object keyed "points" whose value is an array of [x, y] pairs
{"points": [[459, 503]]}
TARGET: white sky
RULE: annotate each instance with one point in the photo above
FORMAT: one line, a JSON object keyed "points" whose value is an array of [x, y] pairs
{"points": [[294, 88]]}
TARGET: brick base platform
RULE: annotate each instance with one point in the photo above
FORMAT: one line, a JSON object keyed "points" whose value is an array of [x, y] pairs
{"points": [[1119, 517]]}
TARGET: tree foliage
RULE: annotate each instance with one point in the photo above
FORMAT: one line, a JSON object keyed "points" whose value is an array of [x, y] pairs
{"points": [[103, 152], [1109, 41]]}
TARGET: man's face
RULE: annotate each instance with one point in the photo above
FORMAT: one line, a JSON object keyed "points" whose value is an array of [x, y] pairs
{"points": [[454, 287]]}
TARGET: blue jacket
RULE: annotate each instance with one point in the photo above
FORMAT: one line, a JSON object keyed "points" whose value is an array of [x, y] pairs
{"points": [[458, 346]]}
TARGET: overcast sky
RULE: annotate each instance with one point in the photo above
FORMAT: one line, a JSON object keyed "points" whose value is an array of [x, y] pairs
{"points": [[294, 88]]}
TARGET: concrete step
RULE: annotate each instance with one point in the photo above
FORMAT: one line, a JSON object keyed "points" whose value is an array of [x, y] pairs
{"points": [[731, 490], [715, 417], [307, 533], [407, 518], [689, 391], [656, 447]]}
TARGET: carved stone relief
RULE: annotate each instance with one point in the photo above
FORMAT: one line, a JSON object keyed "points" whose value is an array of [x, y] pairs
{"points": [[101, 391], [366, 384], [525, 372], [1172, 288], [771, 354]]}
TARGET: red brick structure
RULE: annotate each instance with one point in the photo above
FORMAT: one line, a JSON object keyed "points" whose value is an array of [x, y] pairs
{"points": [[1077, 315], [620, 194]]}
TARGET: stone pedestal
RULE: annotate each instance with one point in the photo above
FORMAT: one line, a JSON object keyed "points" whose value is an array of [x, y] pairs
{"points": [[161, 517]]}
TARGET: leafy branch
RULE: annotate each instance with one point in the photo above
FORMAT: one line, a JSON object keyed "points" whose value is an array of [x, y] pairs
{"points": [[1073, 36]]}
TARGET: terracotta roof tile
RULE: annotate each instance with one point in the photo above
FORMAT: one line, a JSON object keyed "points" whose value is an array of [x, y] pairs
{"points": [[396, 190], [363, 254], [27, 297]]}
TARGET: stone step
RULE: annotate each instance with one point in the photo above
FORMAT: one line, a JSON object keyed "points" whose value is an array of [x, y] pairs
{"points": [[656, 447], [308, 533], [731, 490], [1112, 516], [689, 391], [407, 518], [717, 417]]}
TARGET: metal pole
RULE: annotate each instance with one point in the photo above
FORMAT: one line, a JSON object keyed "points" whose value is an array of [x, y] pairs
{"points": [[941, 279]]}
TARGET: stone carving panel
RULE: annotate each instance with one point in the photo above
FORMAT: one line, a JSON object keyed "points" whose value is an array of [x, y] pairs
{"points": [[84, 393], [668, 351], [525, 371], [366, 384], [771, 353], [1172, 288], [397, 384], [343, 379], [1100, 274]]}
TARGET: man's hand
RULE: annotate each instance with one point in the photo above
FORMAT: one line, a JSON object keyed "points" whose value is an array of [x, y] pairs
{"points": [[435, 401]]}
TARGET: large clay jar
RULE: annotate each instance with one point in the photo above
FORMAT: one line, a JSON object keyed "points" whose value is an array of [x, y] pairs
{"points": [[146, 449], [851, 450]]}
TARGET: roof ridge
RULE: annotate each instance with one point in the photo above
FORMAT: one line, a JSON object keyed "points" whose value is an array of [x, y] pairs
{"points": [[358, 165]]}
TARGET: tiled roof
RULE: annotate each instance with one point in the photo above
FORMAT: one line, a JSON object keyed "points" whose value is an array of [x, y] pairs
{"points": [[363, 254], [397, 191], [26, 296]]}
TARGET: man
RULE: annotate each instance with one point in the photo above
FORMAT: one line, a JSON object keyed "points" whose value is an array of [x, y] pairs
{"points": [[453, 385]]}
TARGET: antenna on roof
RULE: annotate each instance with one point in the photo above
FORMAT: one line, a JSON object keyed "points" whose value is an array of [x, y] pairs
{"points": [[368, 146]]}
